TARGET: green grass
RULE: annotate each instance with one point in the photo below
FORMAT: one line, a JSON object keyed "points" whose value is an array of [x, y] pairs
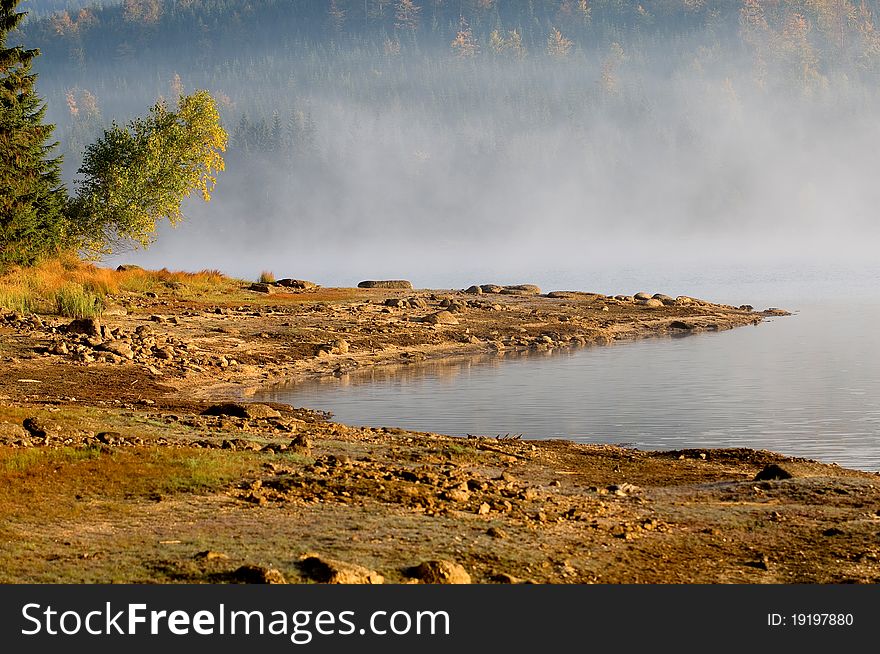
{"points": [[75, 301], [19, 302], [29, 460]]}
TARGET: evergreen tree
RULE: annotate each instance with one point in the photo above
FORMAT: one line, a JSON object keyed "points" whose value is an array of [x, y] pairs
{"points": [[32, 200]]}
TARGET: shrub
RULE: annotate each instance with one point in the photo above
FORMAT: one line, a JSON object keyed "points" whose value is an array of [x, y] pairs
{"points": [[267, 277]]}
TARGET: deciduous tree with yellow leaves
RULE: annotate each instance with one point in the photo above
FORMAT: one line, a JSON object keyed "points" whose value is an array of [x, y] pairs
{"points": [[137, 175]]}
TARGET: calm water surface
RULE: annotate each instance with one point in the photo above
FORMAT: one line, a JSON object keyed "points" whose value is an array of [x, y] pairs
{"points": [[806, 385]]}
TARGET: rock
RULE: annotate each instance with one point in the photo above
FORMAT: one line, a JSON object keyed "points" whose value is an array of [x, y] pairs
{"points": [[299, 284], [441, 318], [340, 346], [109, 438], [331, 571], [253, 411], [746, 307], [211, 555], [833, 531], [115, 310], [302, 444], [474, 290], [496, 532], [491, 288], [394, 303], [665, 299], [417, 303], [35, 427], [256, 574], [439, 572], [457, 495], [773, 471], [386, 283], [504, 578], [268, 289], [128, 266], [87, 326], [529, 289], [119, 348], [563, 295], [678, 324], [651, 303], [624, 298], [623, 490]]}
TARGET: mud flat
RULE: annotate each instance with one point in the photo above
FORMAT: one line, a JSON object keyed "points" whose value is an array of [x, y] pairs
{"points": [[129, 452]]}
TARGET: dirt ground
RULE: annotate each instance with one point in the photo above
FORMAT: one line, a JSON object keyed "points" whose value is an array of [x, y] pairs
{"points": [[129, 452]]}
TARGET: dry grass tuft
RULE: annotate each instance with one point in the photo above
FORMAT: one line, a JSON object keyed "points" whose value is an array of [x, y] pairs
{"points": [[70, 287]]}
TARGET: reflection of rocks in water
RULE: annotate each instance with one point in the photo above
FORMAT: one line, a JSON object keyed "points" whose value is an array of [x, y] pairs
{"points": [[447, 369]]}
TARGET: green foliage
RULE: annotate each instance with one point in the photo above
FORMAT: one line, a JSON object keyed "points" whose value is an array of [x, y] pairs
{"points": [[135, 176], [75, 301], [32, 200]]}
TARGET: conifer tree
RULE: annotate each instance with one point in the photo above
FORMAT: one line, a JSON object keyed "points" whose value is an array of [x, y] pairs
{"points": [[32, 199]]}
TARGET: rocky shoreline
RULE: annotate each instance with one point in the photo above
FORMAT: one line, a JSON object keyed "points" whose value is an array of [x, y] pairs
{"points": [[151, 396]]}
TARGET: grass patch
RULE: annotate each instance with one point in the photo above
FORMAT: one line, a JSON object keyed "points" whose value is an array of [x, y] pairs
{"points": [[267, 277], [59, 483], [70, 287], [74, 301], [16, 462]]}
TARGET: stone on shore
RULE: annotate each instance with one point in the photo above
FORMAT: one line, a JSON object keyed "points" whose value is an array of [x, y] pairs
{"points": [[441, 318], [268, 289], [87, 326], [252, 411], [386, 283], [439, 572], [256, 574], [332, 571], [298, 284]]}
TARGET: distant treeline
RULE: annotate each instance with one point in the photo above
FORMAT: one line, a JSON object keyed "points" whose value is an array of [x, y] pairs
{"points": [[581, 96]]}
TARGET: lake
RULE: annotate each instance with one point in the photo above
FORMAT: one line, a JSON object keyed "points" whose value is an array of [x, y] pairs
{"points": [[806, 385]]}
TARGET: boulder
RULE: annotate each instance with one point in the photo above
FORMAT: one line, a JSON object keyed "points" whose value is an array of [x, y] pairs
{"points": [[528, 289], [87, 326], [257, 574], [441, 318], [651, 303], [642, 296], [474, 290], [252, 411], [268, 289], [386, 283], [35, 427], [439, 572], [119, 348], [772, 472], [665, 299], [331, 571], [299, 284], [491, 288]]}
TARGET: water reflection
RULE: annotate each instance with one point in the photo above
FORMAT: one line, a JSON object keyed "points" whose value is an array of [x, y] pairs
{"points": [[805, 386]]}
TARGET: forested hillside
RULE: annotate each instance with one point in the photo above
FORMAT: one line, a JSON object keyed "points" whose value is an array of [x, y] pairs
{"points": [[495, 116]]}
